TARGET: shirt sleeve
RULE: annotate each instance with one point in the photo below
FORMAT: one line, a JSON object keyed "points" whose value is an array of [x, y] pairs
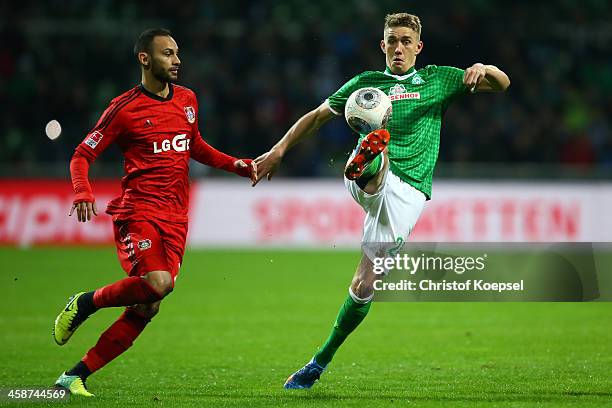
{"points": [[337, 100], [106, 131], [204, 153], [79, 170], [451, 82]]}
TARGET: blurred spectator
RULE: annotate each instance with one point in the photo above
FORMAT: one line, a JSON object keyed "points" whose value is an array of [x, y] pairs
{"points": [[259, 65]]}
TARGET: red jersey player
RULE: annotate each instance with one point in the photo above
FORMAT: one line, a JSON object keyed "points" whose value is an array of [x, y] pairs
{"points": [[156, 127]]}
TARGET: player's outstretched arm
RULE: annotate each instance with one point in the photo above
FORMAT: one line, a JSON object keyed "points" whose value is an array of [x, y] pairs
{"points": [[84, 201], [208, 155], [308, 124], [485, 78]]}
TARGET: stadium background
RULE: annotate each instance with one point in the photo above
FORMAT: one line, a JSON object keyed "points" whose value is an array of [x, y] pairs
{"points": [[532, 164]]}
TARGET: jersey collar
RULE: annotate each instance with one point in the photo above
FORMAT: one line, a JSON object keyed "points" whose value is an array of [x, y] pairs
{"points": [[157, 97], [407, 75]]}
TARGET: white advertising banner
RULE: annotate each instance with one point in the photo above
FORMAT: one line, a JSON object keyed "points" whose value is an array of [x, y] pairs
{"points": [[303, 213], [278, 213]]}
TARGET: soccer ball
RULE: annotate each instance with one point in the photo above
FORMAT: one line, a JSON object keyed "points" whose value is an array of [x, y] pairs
{"points": [[367, 109]]}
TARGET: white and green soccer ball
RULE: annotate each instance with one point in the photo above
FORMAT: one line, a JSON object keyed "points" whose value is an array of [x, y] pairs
{"points": [[367, 109]]}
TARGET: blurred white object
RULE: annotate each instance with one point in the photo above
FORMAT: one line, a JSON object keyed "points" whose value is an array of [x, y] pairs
{"points": [[53, 129]]}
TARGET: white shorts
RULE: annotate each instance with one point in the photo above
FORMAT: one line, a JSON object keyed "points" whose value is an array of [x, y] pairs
{"points": [[391, 213]]}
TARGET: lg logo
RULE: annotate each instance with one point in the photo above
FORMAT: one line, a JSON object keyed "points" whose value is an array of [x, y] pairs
{"points": [[179, 143]]}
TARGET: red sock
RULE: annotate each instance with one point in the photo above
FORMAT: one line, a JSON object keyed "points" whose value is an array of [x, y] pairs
{"points": [[125, 292], [116, 339]]}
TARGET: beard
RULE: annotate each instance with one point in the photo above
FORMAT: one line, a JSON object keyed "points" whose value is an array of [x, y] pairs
{"points": [[161, 74]]}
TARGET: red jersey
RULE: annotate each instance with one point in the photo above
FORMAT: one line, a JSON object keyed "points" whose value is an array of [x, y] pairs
{"points": [[157, 137]]}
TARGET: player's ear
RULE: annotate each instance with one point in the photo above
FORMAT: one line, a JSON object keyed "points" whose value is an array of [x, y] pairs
{"points": [[382, 46], [419, 48], [143, 58]]}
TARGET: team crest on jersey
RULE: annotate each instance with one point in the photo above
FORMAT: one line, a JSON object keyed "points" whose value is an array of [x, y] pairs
{"points": [[417, 80], [398, 92], [397, 89], [144, 244], [93, 139], [190, 113]]}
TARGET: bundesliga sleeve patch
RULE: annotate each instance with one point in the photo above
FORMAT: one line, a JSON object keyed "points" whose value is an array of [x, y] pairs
{"points": [[93, 139], [190, 113]]}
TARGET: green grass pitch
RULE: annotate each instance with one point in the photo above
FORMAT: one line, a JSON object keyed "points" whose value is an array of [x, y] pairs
{"points": [[239, 322]]}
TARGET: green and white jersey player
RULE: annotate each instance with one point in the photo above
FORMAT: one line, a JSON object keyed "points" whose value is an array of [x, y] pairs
{"points": [[393, 185]]}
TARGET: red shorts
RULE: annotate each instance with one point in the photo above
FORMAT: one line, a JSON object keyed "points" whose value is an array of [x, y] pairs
{"points": [[145, 246]]}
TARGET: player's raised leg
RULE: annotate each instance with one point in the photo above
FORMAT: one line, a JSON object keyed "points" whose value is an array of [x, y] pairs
{"points": [[126, 292], [113, 342], [351, 314], [142, 255]]}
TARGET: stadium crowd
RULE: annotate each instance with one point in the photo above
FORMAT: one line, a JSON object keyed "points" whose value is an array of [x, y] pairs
{"points": [[259, 65]]}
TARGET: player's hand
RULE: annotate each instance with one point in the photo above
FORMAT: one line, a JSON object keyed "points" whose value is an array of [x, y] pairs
{"points": [[241, 164], [473, 76], [267, 164], [84, 210]]}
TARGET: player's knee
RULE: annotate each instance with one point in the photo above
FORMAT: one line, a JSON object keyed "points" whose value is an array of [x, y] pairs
{"points": [[361, 289], [161, 281], [148, 310], [152, 310]]}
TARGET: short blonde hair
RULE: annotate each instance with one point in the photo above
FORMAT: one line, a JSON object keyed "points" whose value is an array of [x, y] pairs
{"points": [[403, 20]]}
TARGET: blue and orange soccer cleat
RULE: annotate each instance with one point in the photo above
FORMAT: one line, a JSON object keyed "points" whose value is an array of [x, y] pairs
{"points": [[74, 384], [305, 377], [371, 146]]}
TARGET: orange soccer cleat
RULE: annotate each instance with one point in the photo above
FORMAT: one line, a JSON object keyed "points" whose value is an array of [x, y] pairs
{"points": [[371, 146]]}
